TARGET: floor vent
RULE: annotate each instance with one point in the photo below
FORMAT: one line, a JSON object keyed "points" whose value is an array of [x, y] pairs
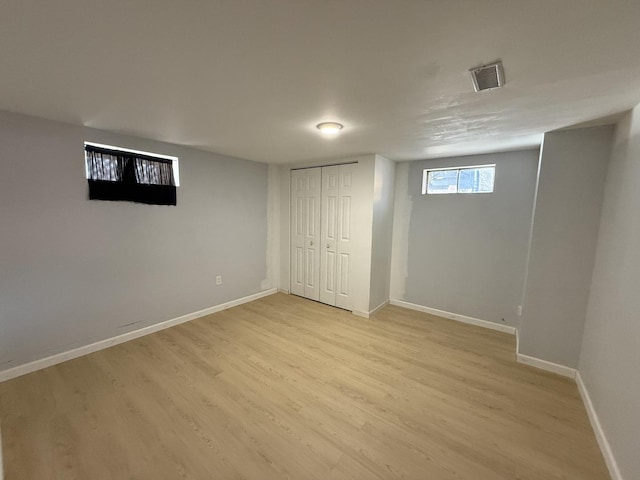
{"points": [[487, 77]]}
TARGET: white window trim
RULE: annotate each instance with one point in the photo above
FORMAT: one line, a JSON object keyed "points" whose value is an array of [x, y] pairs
{"points": [[425, 178], [174, 160]]}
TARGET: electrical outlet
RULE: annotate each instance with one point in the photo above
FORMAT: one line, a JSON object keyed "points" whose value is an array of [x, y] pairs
{"points": [[219, 280], [519, 310]]}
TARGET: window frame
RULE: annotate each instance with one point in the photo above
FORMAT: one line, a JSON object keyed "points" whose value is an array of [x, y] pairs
{"points": [[127, 175], [175, 161], [426, 171]]}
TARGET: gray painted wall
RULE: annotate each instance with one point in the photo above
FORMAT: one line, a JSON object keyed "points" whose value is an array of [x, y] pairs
{"points": [[383, 187], [563, 241], [467, 252], [610, 356], [75, 271]]}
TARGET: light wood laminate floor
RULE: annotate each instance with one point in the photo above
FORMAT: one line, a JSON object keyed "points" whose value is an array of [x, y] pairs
{"points": [[288, 388]]}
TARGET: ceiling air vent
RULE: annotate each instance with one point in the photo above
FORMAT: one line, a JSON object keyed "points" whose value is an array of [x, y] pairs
{"points": [[487, 77]]}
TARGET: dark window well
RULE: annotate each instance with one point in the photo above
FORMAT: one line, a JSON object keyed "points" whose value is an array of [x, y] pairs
{"points": [[123, 175]]}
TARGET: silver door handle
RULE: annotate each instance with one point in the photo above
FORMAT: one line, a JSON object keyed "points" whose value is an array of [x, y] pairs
{"points": [[328, 246], [311, 243]]}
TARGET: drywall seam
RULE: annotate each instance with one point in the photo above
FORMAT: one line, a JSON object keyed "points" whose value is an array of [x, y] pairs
{"points": [[400, 237], [109, 342], [605, 448], [545, 365], [454, 316]]}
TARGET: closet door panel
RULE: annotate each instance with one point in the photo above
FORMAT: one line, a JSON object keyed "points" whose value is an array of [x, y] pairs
{"points": [[312, 237], [344, 239], [329, 233], [298, 200]]}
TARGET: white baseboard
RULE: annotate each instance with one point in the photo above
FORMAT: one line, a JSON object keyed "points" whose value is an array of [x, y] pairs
{"points": [[379, 307], [605, 448], [545, 365], [454, 316], [360, 313], [109, 342], [282, 290]]}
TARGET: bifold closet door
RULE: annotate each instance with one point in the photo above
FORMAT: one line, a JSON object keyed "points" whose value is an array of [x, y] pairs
{"points": [[321, 201], [335, 257], [305, 232], [329, 234]]}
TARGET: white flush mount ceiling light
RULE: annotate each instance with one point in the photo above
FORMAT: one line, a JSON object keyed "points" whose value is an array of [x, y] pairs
{"points": [[329, 128], [487, 77]]}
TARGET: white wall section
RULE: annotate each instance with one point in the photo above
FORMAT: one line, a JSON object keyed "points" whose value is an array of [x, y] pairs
{"points": [[383, 189], [610, 355], [400, 237], [362, 227], [76, 271], [563, 241]]}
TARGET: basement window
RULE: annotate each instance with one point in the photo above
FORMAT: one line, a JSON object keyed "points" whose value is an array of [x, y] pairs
{"points": [[120, 174], [476, 179]]}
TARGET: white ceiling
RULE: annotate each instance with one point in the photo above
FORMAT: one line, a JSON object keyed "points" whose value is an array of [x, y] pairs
{"points": [[252, 78]]}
